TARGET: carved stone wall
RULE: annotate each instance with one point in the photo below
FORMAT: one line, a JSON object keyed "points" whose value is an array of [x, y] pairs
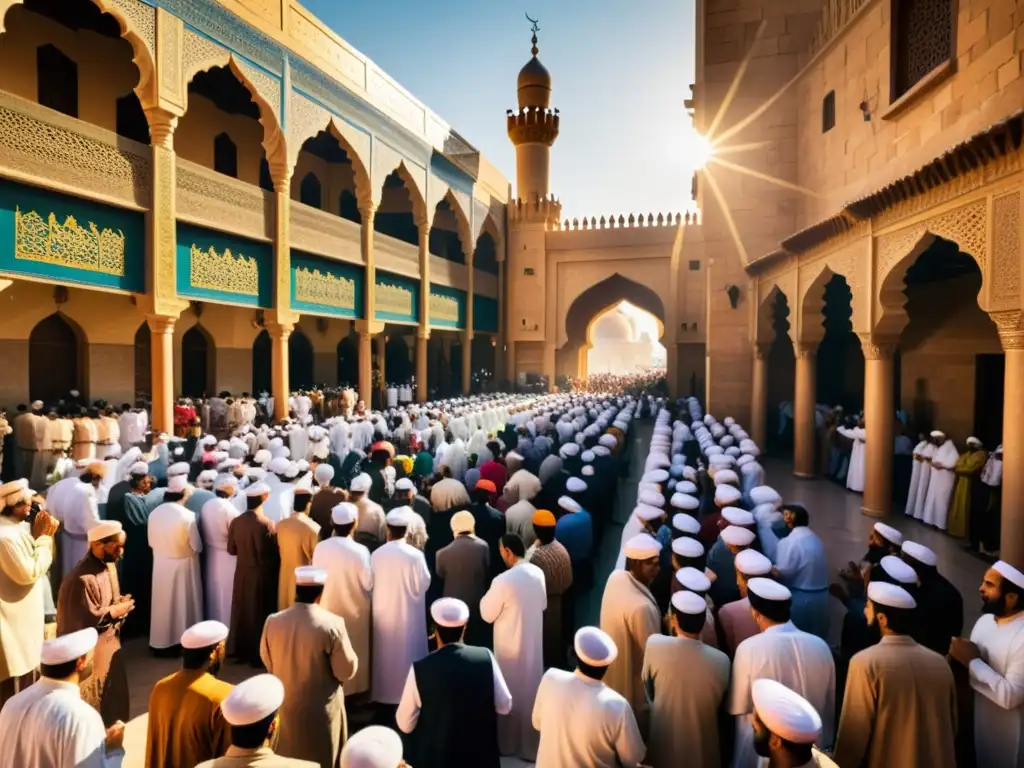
{"points": [[1006, 255], [217, 201]]}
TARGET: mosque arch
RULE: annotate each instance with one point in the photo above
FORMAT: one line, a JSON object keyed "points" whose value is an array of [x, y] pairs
{"points": [[143, 364], [300, 360], [56, 358], [397, 363], [225, 155], [261, 366], [198, 362], [329, 143], [449, 230], [311, 191], [402, 209], [485, 251], [348, 362]]}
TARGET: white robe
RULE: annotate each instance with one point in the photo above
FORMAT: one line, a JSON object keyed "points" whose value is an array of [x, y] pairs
{"points": [[348, 594], [940, 487], [215, 518], [402, 578], [998, 682], [49, 726], [81, 514], [24, 562], [280, 502], [919, 488], [798, 660], [515, 605], [855, 475], [177, 584]]}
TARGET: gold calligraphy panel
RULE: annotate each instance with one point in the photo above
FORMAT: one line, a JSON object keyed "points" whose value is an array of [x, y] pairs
{"points": [[68, 244], [393, 300], [325, 289], [224, 272], [444, 308]]}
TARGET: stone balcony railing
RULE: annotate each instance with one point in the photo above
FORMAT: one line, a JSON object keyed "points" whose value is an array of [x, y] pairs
{"points": [[210, 199], [632, 221], [325, 234]]}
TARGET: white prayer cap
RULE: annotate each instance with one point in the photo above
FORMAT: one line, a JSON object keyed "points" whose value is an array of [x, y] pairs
{"points": [[279, 465], [569, 504], [764, 494], [404, 484], [651, 498], [229, 464], [262, 456], [689, 603], [575, 485], [302, 465], [685, 523], [399, 516], [726, 495], [655, 476], [587, 457], [178, 484], [37, 405], [513, 456], [594, 647], [974, 442], [693, 579], [647, 512], [588, 470], [207, 476], [601, 450], [767, 589], [180, 468], [1009, 573], [898, 569], [226, 481], [714, 450], [684, 501], [737, 537], [308, 576], [689, 473], [463, 522], [103, 529], [719, 460], [253, 700], [726, 477], [750, 562], [258, 489], [372, 747], [569, 449], [686, 486], [204, 634], [139, 469], [686, 546], [608, 441], [344, 513], [894, 596], [69, 647], [449, 612], [937, 433], [361, 483], [643, 546], [208, 440], [746, 458], [13, 490], [737, 516], [920, 553], [889, 533], [785, 713]]}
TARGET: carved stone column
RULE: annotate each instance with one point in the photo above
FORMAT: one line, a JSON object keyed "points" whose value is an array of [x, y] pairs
{"points": [[161, 363], [879, 417], [804, 433], [279, 387], [365, 365], [367, 326], [759, 394], [422, 339], [1011, 335], [467, 362]]}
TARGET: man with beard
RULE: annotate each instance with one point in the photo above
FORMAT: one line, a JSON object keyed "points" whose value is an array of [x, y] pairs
{"points": [[941, 615], [132, 511], [994, 657], [785, 727], [90, 596], [883, 540], [186, 725]]}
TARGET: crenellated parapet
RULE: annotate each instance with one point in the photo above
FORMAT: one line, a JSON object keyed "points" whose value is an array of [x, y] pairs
{"points": [[532, 125], [546, 210], [632, 221]]}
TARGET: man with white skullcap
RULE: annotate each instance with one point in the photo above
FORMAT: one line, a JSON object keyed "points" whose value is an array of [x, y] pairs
{"points": [[307, 648], [371, 528], [297, 537], [686, 682], [630, 615], [373, 747], [797, 659], [785, 727], [967, 503], [81, 512], [935, 510], [940, 604], [186, 725], [900, 705], [994, 658], [326, 498], [735, 619], [48, 724], [581, 720], [453, 697], [251, 710], [219, 572]]}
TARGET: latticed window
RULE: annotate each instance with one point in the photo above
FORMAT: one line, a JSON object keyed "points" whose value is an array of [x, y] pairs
{"points": [[922, 39]]}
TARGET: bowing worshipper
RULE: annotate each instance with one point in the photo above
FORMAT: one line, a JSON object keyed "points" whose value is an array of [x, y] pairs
{"points": [[734, 538], [297, 537], [186, 725], [373, 747], [81, 514], [967, 470], [307, 647], [90, 597], [371, 529], [405, 496], [553, 560], [447, 496], [47, 725], [453, 697], [735, 619], [26, 552], [856, 633], [802, 566], [858, 435], [520, 491], [940, 615], [900, 702], [401, 579], [494, 470], [920, 477], [989, 514], [785, 727], [219, 574], [629, 615], [177, 581], [515, 605], [994, 658], [253, 541], [349, 588], [132, 511], [711, 523], [783, 653], [943, 477], [251, 709], [686, 682], [464, 567], [325, 499], [488, 523], [582, 721]]}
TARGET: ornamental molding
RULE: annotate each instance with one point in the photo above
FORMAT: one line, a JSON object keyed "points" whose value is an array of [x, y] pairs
{"points": [[223, 271], [1010, 325], [325, 289], [444, 308], [1006, 254], [393, 299], [68, 244], [875, 348]]}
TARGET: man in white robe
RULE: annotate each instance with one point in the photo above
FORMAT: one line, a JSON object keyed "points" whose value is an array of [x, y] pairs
{"points": [[215, 519], [177, 585], [515, 605], [401, 579], [855, 475], [943, 478], [994, 657], [922, 471], [81, 514], [781, 652]]}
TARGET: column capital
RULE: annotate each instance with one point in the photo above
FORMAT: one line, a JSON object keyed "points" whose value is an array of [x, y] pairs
{"points": [[162, 123], [161, 324], [805, 349], [279, 329], [369, 327], [1010, 326], [877, 347]]}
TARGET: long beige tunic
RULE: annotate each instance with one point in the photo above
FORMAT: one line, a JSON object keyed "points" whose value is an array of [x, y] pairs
{"points": [[307, 647], [297, 537], [24, 562], [686, 681], [899, 708]]}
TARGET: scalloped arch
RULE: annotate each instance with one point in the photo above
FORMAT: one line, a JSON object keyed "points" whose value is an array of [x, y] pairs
{"points": [[462, 219], [419, 204]]}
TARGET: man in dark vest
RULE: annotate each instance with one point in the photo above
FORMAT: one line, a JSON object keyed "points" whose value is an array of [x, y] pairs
{"points": [[452, 698]]}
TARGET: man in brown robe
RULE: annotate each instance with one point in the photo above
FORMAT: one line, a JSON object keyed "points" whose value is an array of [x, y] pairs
{"points": [[253, 542], [553, 559], [326, 499], [900, 703], [90, 596]]}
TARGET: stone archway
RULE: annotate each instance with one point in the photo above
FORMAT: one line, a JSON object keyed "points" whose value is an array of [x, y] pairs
{"points": [[56, 358], [300, 360], [198, 355]]}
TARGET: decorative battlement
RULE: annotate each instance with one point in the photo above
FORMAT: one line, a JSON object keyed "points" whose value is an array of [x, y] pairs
{"points": [[547, 210], [533, 126], [632, 222]]}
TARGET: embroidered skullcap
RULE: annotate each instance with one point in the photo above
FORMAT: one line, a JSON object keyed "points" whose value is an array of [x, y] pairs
{"points": [[686, 546], [344, 513], [651, 498], [689, 603], [361, 483], [750, 562], [646, 512], [737, 537], [643, 546], [726, 495], [69, 647], [784, 712], [204, 634], [258, 489], [463, 522], [587, 470], [594, 647], [1009, 573], [575, 485], [693, 579], [920, 553], [569, 504], [178, 484], [253, 700], [400, 517], [898, 569], [180, 468], [310, 576], [889, 533], [767, 589], [104, 529], [372, 747], [655, 476], [737, 516], [449, 612], [884, 593], [139, 469]]}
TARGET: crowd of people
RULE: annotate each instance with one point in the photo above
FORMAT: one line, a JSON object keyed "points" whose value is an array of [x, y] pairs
{"points": [[424, 564]]}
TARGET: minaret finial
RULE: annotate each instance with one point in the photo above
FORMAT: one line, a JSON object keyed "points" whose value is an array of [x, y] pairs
{"points": [[535, 28]]}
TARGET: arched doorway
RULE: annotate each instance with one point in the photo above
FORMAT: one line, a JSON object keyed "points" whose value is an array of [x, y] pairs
{"points": [[55, 359], [261, 363], [840, 361], [348, 363], [197, 367], [623, 339], [397, 365], [300, 361], [781, 378], [143, 377], [483, 360]]}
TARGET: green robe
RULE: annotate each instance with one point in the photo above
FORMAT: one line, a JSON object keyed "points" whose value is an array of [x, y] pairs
{"points": [[136, 567]]}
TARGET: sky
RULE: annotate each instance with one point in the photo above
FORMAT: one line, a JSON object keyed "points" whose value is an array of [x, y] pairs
{"points": [[620, 72]]}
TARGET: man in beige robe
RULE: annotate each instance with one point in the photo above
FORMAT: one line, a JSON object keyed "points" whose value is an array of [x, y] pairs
{"points": [[629, 615], [307, 648], [297, 537], [900, 703]]}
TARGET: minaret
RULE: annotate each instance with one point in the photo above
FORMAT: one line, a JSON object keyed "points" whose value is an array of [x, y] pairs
{"points": [[534, 128]]}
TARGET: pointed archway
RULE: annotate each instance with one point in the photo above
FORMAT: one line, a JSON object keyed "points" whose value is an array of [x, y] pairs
{"points": [[56, 357], [261, 352], [300, 361], [197, 362], [348, 362]]}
